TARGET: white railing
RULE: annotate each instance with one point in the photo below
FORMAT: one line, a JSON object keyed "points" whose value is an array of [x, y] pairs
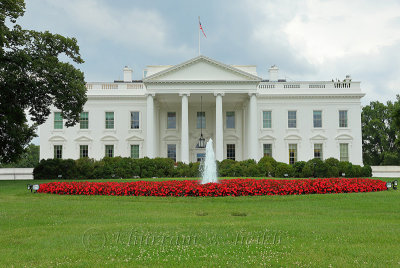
{"points": [[108, 86], [308, 85]]}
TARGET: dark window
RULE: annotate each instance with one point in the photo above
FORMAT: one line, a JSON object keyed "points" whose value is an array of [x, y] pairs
{"points": [[230, 151], [171, 151]]}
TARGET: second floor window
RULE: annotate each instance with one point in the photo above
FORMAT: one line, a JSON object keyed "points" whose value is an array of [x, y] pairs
{"points": [[201, 119], [58, 121], [84, 120], [317, 119], [134, 120], [230, 119], [343, 118], [292, 119], [109, 120], [171, 120], [267, 120]]}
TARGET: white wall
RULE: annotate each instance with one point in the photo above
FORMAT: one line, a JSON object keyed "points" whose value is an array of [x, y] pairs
{"points": [[16, 174]]}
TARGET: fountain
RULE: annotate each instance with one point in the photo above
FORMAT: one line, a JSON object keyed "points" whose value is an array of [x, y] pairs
{"points": [[208, 167]]}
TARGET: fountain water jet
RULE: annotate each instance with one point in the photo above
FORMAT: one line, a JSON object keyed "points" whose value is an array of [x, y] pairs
{"points": [[208, 167]]}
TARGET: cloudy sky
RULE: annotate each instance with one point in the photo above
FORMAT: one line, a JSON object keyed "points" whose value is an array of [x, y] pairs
{"points": [[306, 39]]}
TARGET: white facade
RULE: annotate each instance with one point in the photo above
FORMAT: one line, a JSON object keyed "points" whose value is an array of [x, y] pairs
{"points": [[224, 89]]}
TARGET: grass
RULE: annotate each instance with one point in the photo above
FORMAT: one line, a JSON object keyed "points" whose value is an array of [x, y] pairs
{"points": [[339, 230]]}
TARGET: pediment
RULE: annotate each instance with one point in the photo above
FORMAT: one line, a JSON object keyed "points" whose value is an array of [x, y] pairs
{"points": [[83, 139], [293, 137], [344, 137], [203, 69], [57, 138], [318, 137], [134, 138], [267, 137], [109, 138]]}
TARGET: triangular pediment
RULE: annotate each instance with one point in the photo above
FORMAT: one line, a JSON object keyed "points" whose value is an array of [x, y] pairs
{"points": [[267, 137], [344, 137], [83, 139], [134, 138], [318, 137], [293, 137], [201, 68], [57, 139], [109, 138]]}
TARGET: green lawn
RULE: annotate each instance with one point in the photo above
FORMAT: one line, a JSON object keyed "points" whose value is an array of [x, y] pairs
{"points": [[43, 230]]}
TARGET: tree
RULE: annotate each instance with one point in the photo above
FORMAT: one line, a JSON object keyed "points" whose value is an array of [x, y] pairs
{"points": [[29, 159], [32, 79], [380, 133]]}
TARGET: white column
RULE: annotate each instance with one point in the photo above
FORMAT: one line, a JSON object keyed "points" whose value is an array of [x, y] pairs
{"points": [[253, 127], [219, 134], [185, 129], [150, 126]]}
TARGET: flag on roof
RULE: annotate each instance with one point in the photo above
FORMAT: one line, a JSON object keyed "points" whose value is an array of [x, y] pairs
{"points": [[201, 28]]}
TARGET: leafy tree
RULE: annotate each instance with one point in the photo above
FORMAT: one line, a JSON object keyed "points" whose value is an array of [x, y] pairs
{"points": [[29, 159], [379, 133], [32, 79]]}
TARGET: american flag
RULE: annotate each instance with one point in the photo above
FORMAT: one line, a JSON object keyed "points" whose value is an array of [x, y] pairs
{"points": [[201, 28]]}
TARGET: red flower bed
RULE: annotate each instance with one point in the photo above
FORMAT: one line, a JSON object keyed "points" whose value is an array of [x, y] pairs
{"points": [[233, 187]]}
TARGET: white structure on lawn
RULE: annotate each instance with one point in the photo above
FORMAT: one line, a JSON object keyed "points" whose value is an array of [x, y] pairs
{"points": [[246, 116]]}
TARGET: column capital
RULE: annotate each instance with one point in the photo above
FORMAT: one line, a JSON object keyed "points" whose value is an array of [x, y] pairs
{"points": [[181, 94], [150, 94], [253, 94], [219, 93]]}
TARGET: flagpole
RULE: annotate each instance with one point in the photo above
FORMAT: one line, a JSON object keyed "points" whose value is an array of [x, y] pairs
{"points": [[199, 34]]}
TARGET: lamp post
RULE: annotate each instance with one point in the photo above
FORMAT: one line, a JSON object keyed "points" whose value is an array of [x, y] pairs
{"points": [[202, 142]]}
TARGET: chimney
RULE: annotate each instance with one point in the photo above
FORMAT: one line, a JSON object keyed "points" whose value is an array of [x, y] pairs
{"points": [[273, 73], [128, 74]]}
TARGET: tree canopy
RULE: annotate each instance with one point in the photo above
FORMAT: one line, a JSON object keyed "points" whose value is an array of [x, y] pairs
{"points": [[33, 79], [381, 133]]}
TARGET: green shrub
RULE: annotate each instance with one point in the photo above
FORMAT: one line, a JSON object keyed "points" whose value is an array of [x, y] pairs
{"points": [[267, 166], [298, 168], [366, 171], [247, 168], [226, 168], [85, 168], [315, 168], [51, 169], [347, 168], [282, 168]]}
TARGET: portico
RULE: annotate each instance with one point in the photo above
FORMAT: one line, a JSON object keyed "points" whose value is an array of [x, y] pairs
{"points": [[224, 89]]}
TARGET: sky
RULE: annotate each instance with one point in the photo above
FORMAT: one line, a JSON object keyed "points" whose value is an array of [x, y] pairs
{"points": [[307, 39]]}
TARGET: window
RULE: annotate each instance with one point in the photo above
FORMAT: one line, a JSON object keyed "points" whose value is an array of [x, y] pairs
{"points": [[230, 119], [292, 119], [200, 157], [109, 120], [83, 151], [317, 119], [58, 151], [134, 120], [171, 120], [292, 154], [344, 152], [267, 120], [318, 150], [84, 120], [58, 121], [230, 151], [201, 119], [343, 118], [109, 151], [171, 151], [135, 151], [267, 149]]}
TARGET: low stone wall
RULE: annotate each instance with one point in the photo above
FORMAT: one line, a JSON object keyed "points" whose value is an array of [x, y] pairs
{"points": [[16, 174], [386, 171]]}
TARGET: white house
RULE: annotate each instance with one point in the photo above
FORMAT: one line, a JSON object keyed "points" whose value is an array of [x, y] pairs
{"points": [[247, 117]]}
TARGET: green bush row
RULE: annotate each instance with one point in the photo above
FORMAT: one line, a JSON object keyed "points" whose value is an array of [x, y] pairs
{"points": [[122, 167]]}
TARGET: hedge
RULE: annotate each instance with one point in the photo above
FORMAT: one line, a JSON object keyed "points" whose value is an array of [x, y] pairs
{"points": [[123, 167]]}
